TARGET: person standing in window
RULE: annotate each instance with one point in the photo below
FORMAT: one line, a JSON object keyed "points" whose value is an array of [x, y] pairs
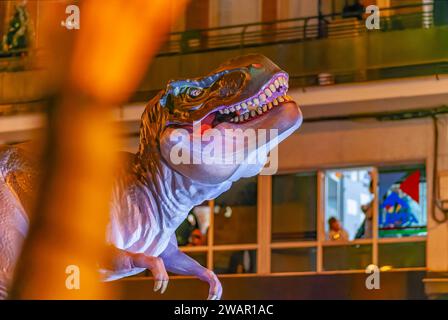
{"points": [[336, 233], [365, 230]]}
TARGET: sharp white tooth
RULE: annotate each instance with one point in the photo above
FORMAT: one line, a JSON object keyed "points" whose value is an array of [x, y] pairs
{"points": [[282, 80], [265, 108], [270, 105], [276, 83], [238, 107], [280, 99], [241, 118], [252, 113], [275, 102], [268, 92], [232, 109], [256, 102], [236, 119], [246, 116], [259, 111], [244, 105], [249, 103], [272, 87], [262, 97], [231, 120], [226, 111], [221, 111]]}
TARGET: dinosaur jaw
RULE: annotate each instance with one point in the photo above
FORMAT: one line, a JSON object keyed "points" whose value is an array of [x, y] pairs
{"points": [[199, 151], [284, 116], [197, 156], [271, 95]]}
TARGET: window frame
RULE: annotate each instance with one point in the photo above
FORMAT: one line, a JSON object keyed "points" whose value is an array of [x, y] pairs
{"points": [[264, 245]]}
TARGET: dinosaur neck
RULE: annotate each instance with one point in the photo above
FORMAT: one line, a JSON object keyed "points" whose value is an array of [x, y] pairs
{"points": [[176, 194]]}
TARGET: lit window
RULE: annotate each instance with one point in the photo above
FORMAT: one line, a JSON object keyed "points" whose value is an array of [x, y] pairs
{"points": [[348, 204], [402, 197]]}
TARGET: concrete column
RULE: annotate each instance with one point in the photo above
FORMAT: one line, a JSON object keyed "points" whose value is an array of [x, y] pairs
{"points": [[269, 10], [197, 15], [436, 284], [269, 13]]}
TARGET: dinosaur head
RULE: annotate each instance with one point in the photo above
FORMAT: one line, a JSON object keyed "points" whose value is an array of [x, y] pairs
{"points": [[244, 94]]}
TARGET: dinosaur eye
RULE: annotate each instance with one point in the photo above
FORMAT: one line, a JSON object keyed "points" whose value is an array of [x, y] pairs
{"points": [[195, 92]]}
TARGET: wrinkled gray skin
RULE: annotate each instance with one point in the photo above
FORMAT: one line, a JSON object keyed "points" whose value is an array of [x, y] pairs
{"points": [[153, 194]]}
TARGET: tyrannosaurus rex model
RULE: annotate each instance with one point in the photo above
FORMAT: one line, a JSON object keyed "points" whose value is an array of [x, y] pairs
{"points": [[154, 191]]}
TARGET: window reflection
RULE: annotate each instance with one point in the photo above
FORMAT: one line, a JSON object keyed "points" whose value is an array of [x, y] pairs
{"points": [[294, 201], [241, 261], [235, 219], [293, 260], [351, 257], [402, 255]]}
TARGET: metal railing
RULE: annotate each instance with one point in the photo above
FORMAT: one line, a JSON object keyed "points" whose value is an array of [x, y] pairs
{"points": [[333, 25], [16, 60], [297, 29]]}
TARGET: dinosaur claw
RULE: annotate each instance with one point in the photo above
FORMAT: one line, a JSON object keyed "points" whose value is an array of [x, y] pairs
{"points": [[157, 285], [164, 286]]}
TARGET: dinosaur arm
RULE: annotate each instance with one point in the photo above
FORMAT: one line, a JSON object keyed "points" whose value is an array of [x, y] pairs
{"points": [[117, 260], [120, 262], [180, 263]]}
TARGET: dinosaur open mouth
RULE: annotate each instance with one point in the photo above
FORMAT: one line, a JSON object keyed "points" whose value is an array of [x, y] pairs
{"points": [[271, 95]]}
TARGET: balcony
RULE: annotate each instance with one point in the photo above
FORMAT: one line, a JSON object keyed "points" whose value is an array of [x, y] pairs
{"points": [[410, 42], [314, 50]]}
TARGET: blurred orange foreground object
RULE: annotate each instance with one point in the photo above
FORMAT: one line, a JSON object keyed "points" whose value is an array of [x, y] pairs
{"points": [[90, 70]]}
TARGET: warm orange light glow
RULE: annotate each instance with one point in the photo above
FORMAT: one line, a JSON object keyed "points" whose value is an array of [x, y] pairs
{"points": [[91, 70]]}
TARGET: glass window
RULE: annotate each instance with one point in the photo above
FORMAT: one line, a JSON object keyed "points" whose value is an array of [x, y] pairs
{"points": [[293, 259], [348, 204], [235, 219], [237, 261], [402, 255], [294, 201], [194, 230], [352, 257], [402, 195]]}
